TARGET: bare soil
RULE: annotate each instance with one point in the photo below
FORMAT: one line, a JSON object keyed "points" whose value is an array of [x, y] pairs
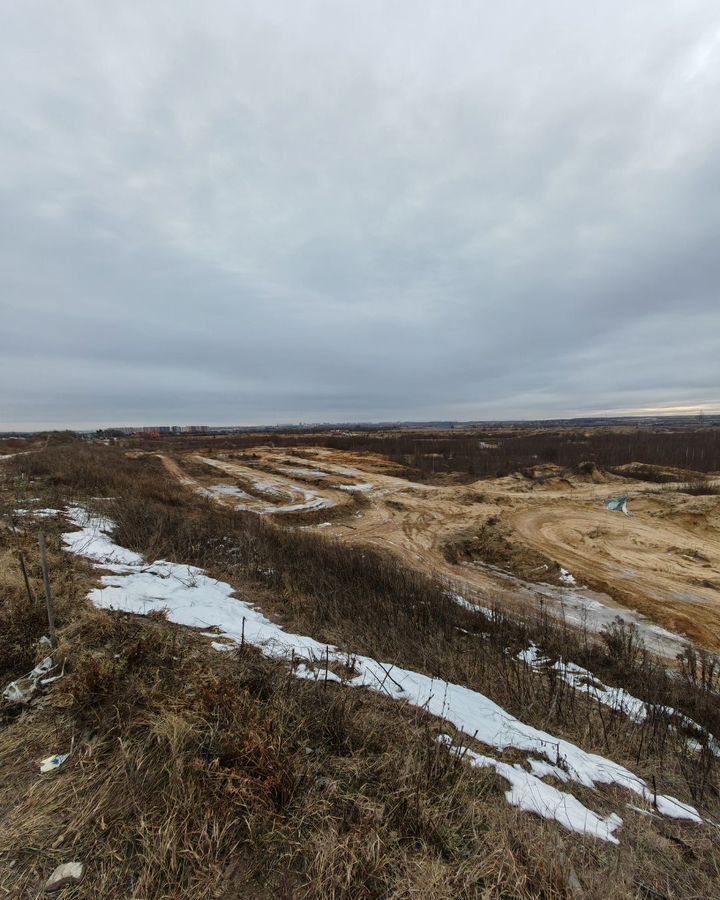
{"points": [[550, 516]]}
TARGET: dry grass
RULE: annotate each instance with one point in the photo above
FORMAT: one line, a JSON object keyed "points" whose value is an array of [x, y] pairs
{"points": [[198, 774], [186, 763], [699, 488]]}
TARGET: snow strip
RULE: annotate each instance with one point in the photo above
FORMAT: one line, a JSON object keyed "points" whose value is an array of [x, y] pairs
{"points": [[310, 499], [617, 699], [189, 597], [228, 490], [92, 541], [466, 604], [531, 794]]}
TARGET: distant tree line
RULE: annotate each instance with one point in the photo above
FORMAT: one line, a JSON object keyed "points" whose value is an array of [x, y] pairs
{"points": [[500, 452], [497, 455]]}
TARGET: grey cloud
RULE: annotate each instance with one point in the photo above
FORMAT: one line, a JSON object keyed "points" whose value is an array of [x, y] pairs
{"points": [[317, 211]]}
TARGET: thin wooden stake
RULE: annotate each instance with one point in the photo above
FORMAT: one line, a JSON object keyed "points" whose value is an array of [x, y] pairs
{"points": [[27, 580], [48, 594], [654, 792], [242, 634]]}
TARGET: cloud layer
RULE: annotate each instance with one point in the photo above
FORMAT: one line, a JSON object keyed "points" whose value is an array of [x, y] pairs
{"points": [[263, 212]]}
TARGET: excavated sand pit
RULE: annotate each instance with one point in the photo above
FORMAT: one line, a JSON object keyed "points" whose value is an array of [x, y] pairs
{"points": [[659, 567]]}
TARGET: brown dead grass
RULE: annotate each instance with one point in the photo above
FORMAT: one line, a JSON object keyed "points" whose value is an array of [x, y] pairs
{"points": [[198, 774]]}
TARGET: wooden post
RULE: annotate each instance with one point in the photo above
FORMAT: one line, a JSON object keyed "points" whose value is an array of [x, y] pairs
{"points": [[48, 594], [25, 576]]}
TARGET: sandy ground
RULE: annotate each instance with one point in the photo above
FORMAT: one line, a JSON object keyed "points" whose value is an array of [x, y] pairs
{"points": [[660, 567]]}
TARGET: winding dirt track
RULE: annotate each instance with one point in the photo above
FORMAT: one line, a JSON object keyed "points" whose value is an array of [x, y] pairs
{"points": [[663, 561]]}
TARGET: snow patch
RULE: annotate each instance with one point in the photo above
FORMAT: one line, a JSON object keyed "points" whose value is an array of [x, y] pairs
{"points": [[529, 793], [617, 699], [228, 490], [466, 604], [38, 513]]}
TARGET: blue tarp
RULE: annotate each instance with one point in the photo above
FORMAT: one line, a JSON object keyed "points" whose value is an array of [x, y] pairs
{"points": [[617, 504]]}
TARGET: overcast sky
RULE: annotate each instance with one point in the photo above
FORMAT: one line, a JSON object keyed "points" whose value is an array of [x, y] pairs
{"points": [[238, 212]]}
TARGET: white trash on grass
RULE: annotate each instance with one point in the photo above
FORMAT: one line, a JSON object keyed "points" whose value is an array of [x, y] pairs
{"points": [[52, 763], [24, 689]]}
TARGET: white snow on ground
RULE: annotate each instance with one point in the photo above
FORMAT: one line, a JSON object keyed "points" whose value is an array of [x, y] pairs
{"points": [[583, 680], [189, 597], [466, 604], [310, 501], [591, 610], [618, 699], [194, 486], [301, 498], [39, 513], [227, 490], [312, 473], [566, 577], [92, 541], [355, 488], [585, 609], [528, 792], [343, 470], [267, 487]]}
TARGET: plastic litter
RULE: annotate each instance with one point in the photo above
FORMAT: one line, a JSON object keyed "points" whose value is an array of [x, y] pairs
{"points": [[42, 668], [64, 876], [617, 504], [24, 689], [20, 691], [51, 763]]}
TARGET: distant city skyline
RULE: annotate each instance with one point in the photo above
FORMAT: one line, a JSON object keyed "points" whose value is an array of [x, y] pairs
{"points": [[687, 413]]}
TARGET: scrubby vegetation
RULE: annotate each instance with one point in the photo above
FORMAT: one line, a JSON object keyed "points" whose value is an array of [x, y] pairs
{"points": [[202, 774], [700, 489], [491, 453], [493, 545]]}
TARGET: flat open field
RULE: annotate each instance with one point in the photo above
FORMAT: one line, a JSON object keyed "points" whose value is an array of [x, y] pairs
{"points": [[659, 567]]}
